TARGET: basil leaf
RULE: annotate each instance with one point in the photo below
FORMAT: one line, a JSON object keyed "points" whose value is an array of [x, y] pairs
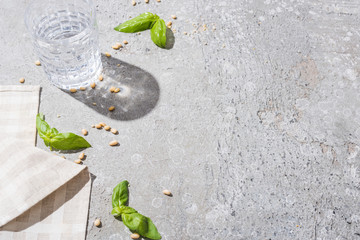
{"points": [[120, 196], [54, 131], [137, 24], [136, 222], [68, 141], [158, 33], [117, 211], [42, 126]]}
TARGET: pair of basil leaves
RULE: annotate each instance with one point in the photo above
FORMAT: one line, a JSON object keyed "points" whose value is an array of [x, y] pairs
{"points": [[135, 221], [143, 22], [61, 141]]}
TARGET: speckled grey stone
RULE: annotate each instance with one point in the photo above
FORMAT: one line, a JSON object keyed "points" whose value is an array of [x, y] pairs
{"points": [[252, 119]]}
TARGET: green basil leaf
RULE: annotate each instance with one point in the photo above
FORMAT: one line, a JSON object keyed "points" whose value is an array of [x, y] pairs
{"points": [[137, 24], [158, 33], [54, 131], [41, 125], [68, 141], [136, 222], [152, 232], [120, 196], [117, 211]]}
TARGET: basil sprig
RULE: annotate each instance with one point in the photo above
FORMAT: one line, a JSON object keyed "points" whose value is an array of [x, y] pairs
{"points": [[61, 141], [143, 22], [135, 221]]}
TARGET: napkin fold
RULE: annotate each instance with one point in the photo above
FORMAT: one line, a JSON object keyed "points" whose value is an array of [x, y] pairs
{"points": [[42, 196]]}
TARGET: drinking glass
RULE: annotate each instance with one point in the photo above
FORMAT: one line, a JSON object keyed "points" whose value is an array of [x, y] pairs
{"points": [[65, 38]]}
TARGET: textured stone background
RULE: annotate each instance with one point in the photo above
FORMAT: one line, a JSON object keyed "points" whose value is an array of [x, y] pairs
{"points": [[253, 121]]}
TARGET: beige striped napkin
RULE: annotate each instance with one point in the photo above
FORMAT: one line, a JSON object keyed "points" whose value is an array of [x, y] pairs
{"points": [[42, 196]]}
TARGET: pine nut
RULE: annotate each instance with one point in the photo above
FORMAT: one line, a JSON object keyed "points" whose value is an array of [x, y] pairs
{"points": [[107, 54], [22, 80], [93, 126], [82, 88], [133, 3], [63, 157], [102, 124], [115, 47], [98, 126], [146, 1], [73, 90], [92, 85], [97, 222], [112, 89], [114, 131], [135, 236], [167, 192], [169, 24], [113, 143], [101, 78], [125, 42], [112, 108], [37, 63], [107, 128], [84, 132], [117, 90], [78, 161], [173, 16], [81, 156], [158, 0]]}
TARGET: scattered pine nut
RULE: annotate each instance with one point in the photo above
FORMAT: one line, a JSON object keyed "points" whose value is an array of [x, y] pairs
{"points": [[114, 131], [94, 103], [185, 33], [117, 90], [98, 126], [58, 115], [167, 192], [63, 157], [169, 24], [173, 16], [115, 47], [22, 80], [133, 3], [37, 63], [112, 108], [93, 126], [84, 132], [78, 161], [92, 85], [81, 156], [107, 54], [102, 124], [101, 78], [73, 90], [125, 42], [107, 128], [112, 89], [97, 222], [135, 236], [146, 1], [118, 65], [158, 0], [113, 143], [82, 88]]}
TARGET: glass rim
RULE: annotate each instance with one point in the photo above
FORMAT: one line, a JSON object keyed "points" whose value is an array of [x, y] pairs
{"points": [[31, 31]]}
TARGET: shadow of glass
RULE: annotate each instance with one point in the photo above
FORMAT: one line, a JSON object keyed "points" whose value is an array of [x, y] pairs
{"points": [[170, 39], [138, 95]]}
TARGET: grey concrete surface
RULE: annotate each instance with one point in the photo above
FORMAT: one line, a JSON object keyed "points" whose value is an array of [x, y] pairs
{"points": [[253, 119]]}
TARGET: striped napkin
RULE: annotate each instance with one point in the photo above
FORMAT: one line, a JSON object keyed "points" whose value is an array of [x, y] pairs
{"points": [[42, 196]]}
